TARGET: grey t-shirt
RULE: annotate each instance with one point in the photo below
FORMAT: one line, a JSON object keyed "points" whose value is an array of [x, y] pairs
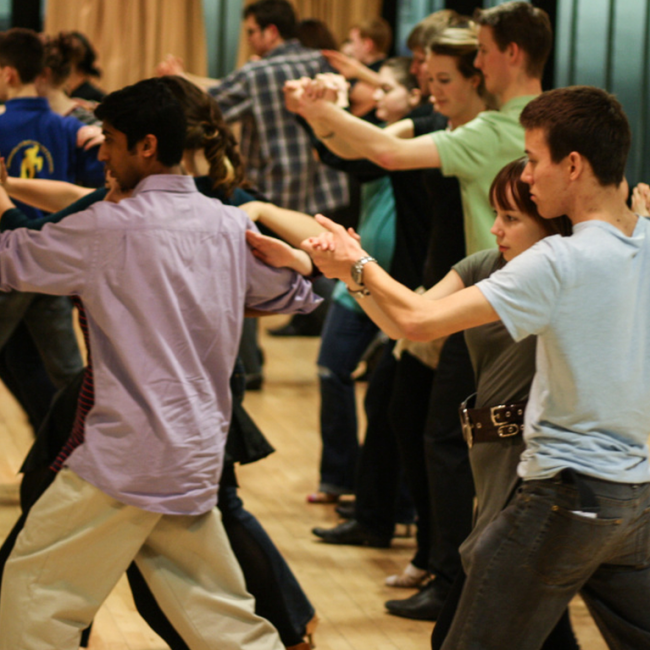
{"points": [[504, 371]]}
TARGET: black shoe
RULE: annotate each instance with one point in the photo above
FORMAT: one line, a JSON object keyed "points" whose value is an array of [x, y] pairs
{"points": [[352, 533], [345, 510], [423, 606], [254, 381]]}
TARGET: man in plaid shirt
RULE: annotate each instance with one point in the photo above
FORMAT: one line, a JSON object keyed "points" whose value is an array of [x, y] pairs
{"points": [[277, 152]]}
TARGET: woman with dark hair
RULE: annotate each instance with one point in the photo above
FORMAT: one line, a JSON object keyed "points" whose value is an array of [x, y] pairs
{"points": [[84, 68], [211, 155], [59, 56], [316, 34]]}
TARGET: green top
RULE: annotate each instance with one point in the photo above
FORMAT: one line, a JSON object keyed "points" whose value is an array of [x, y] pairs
{"points": [[376, 229], [474, 153]]}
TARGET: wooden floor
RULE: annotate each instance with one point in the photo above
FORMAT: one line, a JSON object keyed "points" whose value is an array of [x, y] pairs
{"points": [[345, 584]]}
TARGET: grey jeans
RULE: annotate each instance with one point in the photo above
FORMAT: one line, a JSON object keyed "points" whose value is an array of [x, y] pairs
{"points": [[542, 550]]}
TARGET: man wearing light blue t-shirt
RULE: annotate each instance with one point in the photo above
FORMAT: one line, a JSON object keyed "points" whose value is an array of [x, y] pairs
{"points": [[581, 520]]}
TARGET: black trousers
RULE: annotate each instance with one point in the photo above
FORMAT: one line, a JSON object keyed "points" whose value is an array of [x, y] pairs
{"points": [[395, 403], [450, 476]]}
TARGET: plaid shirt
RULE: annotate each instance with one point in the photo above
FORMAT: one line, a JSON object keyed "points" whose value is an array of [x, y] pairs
{"points": [[278, 156]]}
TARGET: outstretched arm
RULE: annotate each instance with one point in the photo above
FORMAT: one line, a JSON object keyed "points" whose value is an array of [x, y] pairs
{"points": [[292, 226], [351, 137], [400, 312], [41, 193]]}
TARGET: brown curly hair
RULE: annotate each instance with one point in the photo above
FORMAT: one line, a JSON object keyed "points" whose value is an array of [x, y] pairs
{"points": [[208, 131]]}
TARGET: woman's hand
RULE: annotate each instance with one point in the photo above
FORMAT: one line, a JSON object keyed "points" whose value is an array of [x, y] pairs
{"points": [[335, 251], [277, 253]]}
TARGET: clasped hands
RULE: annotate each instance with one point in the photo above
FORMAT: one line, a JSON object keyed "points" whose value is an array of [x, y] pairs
{"points": [[305, 95], [335, 251]]}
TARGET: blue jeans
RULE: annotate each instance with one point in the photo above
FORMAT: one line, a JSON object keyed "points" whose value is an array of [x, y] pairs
{"points": [[49, 321], [542, 550], [346, 335]]}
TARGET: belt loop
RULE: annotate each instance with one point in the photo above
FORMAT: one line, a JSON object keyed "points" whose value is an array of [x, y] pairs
{"points": [[588, 500]]}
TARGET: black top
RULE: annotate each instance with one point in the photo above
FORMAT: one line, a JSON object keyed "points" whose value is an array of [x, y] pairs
{"points": [[446, 243], [89, 92]]}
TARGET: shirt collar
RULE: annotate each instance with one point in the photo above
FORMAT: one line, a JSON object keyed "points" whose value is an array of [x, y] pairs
{"points": [[287, 46], [165, 183]]}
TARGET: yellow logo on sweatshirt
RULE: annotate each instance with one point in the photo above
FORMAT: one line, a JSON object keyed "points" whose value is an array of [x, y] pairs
{"points": [[32, 156]]}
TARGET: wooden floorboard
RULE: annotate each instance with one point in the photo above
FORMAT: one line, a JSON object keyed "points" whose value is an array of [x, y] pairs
{"points": [[345, 584]]}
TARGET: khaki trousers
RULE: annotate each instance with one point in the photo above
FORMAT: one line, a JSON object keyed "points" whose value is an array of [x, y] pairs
{"points": [[78, 541]]}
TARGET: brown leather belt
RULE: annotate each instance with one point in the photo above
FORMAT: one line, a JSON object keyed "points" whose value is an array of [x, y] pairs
{"points": [[491, 423]]}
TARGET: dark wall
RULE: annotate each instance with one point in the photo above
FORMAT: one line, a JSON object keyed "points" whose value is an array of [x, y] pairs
{"points": [[26, 13]]}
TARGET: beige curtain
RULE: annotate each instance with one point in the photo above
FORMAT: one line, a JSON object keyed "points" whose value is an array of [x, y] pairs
{"points": [[132, 36], [339, 15]]}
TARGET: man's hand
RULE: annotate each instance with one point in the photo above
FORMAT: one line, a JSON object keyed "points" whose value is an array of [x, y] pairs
{"points": [[641, 199], [348, 66], [334, 252], [170, 65], [89, 136], [277, 253]]}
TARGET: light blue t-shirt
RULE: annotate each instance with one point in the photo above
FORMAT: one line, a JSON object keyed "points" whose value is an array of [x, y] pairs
{"points": [[587, 298]]}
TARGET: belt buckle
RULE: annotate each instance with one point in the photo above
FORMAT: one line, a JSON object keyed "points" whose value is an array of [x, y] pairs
{"points": [[508, 430], [466, 427], [496, 414]]}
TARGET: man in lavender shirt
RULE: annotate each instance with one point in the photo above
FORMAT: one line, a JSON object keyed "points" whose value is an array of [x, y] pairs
{"points": [[165, 277]]}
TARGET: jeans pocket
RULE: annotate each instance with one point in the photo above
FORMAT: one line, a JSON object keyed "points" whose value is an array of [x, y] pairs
{"points": [[569, 546]]}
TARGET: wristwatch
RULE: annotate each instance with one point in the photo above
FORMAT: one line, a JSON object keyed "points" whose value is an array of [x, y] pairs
{"points": [[357, 269]]}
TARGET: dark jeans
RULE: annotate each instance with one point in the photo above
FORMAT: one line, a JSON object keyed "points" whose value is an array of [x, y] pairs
{"points": [[450, 476], [24, 375], [346, 335], [542, 550], [561, 638], [49, 321]]}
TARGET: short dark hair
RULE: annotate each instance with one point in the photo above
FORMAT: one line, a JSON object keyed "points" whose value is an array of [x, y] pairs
{"points": [[521, 23], [509, 178], [587, 120], [22, 49], [400, 66], [378, 31], [274, 12], [147, 107], [84, 57], [315, 34]]}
